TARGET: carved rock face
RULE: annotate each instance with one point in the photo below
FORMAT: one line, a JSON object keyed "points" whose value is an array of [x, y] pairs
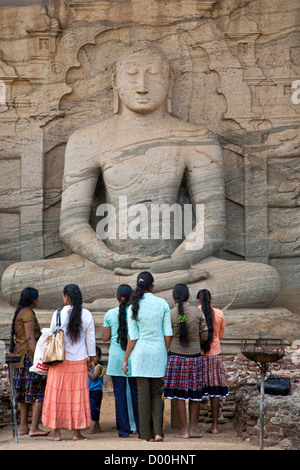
{"points": [[232, 71]]}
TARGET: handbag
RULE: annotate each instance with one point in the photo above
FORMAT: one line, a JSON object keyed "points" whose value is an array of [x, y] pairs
{"points": [[275, 385], [55, 349], [38, 367]]}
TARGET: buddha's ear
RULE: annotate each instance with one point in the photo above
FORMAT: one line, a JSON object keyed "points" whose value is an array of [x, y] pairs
{"points": [[169, 95], [116, 94]]}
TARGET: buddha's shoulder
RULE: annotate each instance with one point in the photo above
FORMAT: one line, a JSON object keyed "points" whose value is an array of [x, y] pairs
{"points": [[191, 129], [93, 130]]}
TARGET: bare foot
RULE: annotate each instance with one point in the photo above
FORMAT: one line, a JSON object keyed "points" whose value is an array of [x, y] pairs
{"points": [[158, 438], [23, 432], [150, 440], [56, 435], [93, 430], [182, 436], [197, 433], [213, 431], [79, 437], [54, 438], [39, 432]]}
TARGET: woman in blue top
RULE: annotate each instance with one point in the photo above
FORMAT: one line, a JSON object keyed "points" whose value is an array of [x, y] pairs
{"points": [[115, 330], [150, 331]]}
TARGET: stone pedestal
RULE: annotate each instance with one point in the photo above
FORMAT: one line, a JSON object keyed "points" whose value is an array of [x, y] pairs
{"points": [[239, 324]]}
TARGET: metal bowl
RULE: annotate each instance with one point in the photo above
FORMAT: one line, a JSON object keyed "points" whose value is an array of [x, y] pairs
{"points": [[263, 351]]}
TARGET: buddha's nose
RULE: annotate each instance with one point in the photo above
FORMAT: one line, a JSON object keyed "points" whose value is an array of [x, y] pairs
{"points": [[142, 83]]}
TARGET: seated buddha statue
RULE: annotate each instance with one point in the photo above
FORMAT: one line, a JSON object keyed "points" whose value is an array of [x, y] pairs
{"points": [[140, 156]]}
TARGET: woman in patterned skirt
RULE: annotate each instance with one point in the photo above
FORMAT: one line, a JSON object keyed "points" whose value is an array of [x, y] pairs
{"points": [[29, 386], [211, 350], [185, 373]]}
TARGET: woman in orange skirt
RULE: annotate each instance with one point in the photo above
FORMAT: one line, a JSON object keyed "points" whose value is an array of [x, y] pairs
{"points": [[67, 402]]}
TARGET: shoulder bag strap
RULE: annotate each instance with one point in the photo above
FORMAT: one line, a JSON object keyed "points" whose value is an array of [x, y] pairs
{"points": [[58, 320]]}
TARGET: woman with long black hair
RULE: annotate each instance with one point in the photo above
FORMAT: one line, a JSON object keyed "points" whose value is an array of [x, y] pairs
{"points": [[115, 329], [67, 402], [211, 350], [29, 386], [185, 374], [150, 331]]}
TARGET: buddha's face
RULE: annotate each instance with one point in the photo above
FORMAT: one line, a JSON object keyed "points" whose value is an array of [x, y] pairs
{"points": [[142, 81]]}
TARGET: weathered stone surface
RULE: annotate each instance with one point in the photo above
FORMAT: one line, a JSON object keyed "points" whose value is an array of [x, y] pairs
{"points": [[233, 66]]}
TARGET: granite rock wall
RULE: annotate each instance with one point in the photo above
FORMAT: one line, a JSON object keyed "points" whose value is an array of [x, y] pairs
{"points": [[235, 69]]}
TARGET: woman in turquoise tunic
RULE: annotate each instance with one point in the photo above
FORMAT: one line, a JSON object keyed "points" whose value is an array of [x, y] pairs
{"points": [[150, 332], [115, 329]]}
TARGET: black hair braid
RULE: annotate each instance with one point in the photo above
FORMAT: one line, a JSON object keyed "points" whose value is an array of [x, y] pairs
{"points": [[28, 295], [181, 294], [123, 295], [75, 318], [205, 299], [144, 282], [183, 329]]}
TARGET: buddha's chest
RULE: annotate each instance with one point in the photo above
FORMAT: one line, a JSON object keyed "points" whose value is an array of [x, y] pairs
{"points": [[146, 167]]}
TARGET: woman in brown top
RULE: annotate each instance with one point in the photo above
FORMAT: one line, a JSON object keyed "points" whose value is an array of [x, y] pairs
{"points": [[185, 377], [29, 386]]}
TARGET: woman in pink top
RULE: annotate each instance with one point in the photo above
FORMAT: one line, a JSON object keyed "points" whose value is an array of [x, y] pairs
{"points": [[211, 349]]}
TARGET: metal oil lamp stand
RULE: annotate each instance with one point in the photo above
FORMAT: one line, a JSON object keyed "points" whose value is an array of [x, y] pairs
{"points": [[10, 360], [263, 353]]}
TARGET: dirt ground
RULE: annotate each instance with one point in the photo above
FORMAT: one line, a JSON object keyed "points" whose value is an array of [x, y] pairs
{"points": [[108, 439]]}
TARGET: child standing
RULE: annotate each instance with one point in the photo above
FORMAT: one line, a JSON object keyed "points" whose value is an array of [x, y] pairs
{"points": [[95, 391]]}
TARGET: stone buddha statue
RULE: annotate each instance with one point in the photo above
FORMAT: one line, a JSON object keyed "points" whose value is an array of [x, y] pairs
{"points": [[143, 154]]}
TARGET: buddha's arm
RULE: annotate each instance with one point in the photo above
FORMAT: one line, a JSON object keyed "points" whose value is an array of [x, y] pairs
{"points": [[80, 178], [75, 230]]}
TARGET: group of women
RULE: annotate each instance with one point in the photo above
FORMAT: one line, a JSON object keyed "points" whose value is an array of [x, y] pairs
{"points": [[155, 353]]}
